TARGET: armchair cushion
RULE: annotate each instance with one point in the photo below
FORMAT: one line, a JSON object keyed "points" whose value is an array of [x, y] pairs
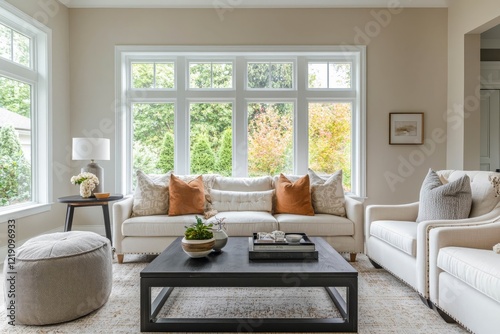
{"points": [[485, 187], [444, 201], [399, 234], [478, 268]]}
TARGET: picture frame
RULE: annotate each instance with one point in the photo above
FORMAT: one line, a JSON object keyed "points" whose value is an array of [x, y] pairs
{"points": [[406, 128]]}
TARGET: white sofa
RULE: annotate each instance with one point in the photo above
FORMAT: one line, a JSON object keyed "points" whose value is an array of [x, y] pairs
{"points": [[396, 242], [152, 234], [464, 275]]}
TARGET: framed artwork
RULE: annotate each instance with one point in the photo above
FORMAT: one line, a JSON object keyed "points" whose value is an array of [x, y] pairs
{"points": [[406, 128]]}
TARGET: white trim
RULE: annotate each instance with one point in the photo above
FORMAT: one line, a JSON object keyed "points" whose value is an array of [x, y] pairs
{"points": [[39, 76], [23, 210], [232, 4]]}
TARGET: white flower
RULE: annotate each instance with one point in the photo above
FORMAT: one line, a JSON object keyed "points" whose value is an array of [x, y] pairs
{"points": [[80, 178], [496, 248], [87, 182]]}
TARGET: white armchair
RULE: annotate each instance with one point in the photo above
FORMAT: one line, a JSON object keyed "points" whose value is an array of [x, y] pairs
{"points": [[396, 242], [464, 275]]}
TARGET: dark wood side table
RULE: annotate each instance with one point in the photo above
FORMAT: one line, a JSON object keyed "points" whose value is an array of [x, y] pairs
{"points": [[77, 201]]}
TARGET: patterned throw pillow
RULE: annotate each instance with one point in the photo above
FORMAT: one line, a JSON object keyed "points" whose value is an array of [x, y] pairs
{"points": [[452, 200], [327, 193], [186, 197], [151, 194], [294, 197]]}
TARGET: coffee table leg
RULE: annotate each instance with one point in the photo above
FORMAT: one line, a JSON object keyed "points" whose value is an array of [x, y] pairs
{"points": [[150, 311], [145, 306]]}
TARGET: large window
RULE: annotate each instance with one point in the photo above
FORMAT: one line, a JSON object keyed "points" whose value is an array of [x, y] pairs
{"points": [[24, 110], [252, 112]]}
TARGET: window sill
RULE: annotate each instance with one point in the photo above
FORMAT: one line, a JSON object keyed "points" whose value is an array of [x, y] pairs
{"points": [[23, 210]]}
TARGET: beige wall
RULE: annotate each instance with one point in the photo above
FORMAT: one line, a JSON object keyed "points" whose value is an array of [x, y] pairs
{"points": [[406, 70], [466, 20], [55, 16]]}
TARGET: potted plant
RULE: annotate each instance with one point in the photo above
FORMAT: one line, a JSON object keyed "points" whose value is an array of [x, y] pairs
{"points": [[198, 239]]}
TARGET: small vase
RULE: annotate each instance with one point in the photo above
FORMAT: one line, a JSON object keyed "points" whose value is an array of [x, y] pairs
{"points": [[220, 240], [85, 191], [198, 248]]}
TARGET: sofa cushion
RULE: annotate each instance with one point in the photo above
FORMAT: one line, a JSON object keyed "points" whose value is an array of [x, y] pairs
{"points": [[294, 197], [151, 194], [245, 223], [485, 188], [318, 225], [157, 226], [242, 201], [186, 197], [327, 193], [243, 183], [478, 268], [399, 234], [444, 201]]}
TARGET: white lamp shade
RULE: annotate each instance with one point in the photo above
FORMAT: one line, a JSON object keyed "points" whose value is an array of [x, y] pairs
{"points": [[91, 149]]}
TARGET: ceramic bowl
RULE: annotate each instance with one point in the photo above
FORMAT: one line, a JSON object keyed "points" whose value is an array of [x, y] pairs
{"points": [[293, 237], [101, 195]]}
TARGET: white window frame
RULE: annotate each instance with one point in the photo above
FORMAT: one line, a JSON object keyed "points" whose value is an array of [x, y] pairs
{"points": [[240, 96], [39, 77]]}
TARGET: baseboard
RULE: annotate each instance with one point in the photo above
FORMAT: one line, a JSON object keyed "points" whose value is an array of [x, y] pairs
{"points": [[99, 229]]}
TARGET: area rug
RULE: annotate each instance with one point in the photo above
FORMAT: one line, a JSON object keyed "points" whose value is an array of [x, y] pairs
{"points": [[386, 305]]}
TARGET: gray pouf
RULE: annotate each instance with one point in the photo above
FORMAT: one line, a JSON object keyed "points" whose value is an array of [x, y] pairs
{"points": [[61, 277]]}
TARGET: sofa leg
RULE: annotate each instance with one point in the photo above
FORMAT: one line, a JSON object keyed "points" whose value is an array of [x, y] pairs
{"points": [[375, 264], [427, 302], [353, 257], [443, 315], [120, 258]]}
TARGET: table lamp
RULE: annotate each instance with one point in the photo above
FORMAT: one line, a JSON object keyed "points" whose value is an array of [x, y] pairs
{"points": [[92, 149]]}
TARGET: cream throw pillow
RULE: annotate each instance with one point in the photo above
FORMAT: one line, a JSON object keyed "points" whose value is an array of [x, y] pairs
{"points": [[444, 201], [151, 194], [242, 200], [327, 193]]}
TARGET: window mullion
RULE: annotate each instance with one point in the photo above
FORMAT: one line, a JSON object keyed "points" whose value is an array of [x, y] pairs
{"points": [[301, 123], [181, 128], [11, 44], [154, 75], [240, 144]]}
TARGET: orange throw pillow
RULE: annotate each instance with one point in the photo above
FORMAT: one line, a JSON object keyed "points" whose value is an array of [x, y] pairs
{"points": [[186, 198], [294, 197]]}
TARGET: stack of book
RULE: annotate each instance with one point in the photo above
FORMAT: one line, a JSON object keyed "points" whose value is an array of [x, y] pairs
{"points": [[269, 249]]}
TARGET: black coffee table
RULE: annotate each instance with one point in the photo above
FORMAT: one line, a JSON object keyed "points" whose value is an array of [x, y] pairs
{"points": [[232, 268]]}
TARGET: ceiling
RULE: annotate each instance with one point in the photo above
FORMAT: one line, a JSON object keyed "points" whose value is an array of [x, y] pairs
{"points": [[250, 3]]}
